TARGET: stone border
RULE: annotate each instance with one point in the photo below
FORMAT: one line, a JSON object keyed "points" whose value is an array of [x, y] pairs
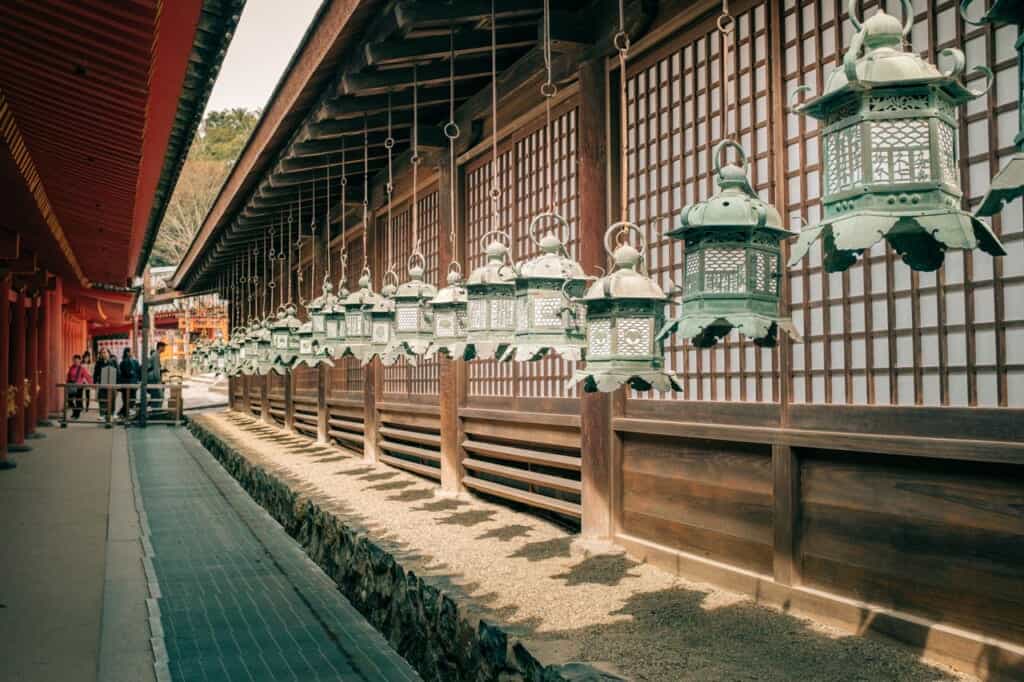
{"points": [[425, 624]]}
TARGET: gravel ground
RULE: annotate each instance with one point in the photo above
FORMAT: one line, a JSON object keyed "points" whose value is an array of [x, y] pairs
{"points": [[606, 609]]}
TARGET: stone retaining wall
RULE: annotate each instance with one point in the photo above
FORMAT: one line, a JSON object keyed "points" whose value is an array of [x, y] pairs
{"points": [[428, 627]]}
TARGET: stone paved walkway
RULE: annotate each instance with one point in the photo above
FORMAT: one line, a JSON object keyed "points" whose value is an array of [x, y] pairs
{"points": [[239, 600]]}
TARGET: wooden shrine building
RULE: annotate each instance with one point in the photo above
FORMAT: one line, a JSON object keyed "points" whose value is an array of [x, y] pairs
{"points": [[871, 475], [99, 103]]}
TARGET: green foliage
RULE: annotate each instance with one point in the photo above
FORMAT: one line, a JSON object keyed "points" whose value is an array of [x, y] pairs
{"points": [[214, 151]]}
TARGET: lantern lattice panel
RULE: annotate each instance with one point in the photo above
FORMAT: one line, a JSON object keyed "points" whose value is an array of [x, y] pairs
{"points": [[402, 379], [525, 178], [676, 113], [880, 333]]}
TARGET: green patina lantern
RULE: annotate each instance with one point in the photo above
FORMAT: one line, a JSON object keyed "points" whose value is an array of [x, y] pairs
{"points": [[449, 313], [382, 322], [283, 334], [313, 334], [334, 323], [358, 324], [490, 306], [414, 328], [234, 353], [890, 155], [624, 309], [264, 346], [1008, 184], [547, 318], [732, 262], [250, 351], [218, 356]]}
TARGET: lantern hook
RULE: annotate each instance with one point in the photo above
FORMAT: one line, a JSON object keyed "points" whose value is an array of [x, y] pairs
{"points": [[908, 17], [547, 215], [963, 14], [416, 255], [391, 276], [496, 233], [959, 63], [721, 147], [794, 104], [455, 267], [623, 227]]}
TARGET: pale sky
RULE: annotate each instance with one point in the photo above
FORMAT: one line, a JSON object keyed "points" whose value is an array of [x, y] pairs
{"points": [[267, 35]]}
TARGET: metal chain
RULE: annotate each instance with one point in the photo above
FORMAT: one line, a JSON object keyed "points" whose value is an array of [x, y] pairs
{"points": [[451, 131], [548, 89], [343, 251], [389, 144], [495, 192], [415, 161], [366, 191], [726, 25], [621, 42], [327, 220]]}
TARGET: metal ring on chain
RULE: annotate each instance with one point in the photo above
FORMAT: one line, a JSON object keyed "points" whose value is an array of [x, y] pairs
{"points": [[451, 130], [620, 41], [726, 23], [389, 142], [547, 215], [624, 227], [548, 89], [415, 159], [499, 233], [495, 193]]}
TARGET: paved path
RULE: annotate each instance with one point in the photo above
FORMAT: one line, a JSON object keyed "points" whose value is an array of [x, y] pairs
{"points": [[239, 600]]}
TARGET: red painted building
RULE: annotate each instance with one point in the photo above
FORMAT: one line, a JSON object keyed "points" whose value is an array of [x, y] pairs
{"points": [[99, 103]]}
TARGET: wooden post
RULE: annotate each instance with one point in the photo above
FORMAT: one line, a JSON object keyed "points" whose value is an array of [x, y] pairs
{"points": [[289, 402], [144, 359], [372, 372], [449, 385], [18, 361], [32, 367], [5, 359], [595, 408], [55, 345], [265, 400], [246, 404], [321, 404], [786, 516]]}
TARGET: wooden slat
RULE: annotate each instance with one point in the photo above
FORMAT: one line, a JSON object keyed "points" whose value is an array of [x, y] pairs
{"points": [[523, 432], [523, 475], [346, 436], [345, 424], [522, 496], [411, 450], [522, 455], [431, 439], [421, 469]]}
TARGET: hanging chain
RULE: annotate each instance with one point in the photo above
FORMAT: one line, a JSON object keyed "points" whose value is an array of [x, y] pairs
{"points": [[495, 192], [726, 25], [451, 131], [389, 144], [366, 192], [327, 221], [312, 254], [621, 42], [290, 300], [299, 279], [415, 161], [548, 90], [343, 251]]}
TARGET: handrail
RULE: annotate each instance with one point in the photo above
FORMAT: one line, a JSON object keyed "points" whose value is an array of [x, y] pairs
{"points": [[176, 395]]}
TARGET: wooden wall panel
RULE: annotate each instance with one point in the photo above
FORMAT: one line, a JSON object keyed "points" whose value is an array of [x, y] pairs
{"points": [[940, 539], [709, 498]]}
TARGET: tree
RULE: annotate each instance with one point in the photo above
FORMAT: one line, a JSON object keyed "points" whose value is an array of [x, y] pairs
{"points": [[214, 151]]}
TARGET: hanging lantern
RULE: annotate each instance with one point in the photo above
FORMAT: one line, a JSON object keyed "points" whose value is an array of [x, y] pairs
{"points": [[414, 329], [250, 348], [234, 353], [732, 262], [490, 294], [624, 311], [1008, 184], [358, 325], [312, 334], [890, 156], [334, 323], [547, 319], [265, 346], [283, 332], [382, 322], [449, 312]]}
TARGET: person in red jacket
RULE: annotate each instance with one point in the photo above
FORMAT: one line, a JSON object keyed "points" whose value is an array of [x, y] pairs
{"points": [[77, 374]]}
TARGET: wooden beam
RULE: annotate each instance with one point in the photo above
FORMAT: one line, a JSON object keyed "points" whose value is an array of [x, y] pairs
{"points": [[431, 75], [400, 51], [411, 15], [356, 106]]}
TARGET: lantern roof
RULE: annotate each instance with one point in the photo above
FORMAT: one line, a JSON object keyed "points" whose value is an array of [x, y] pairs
{"points": [[454, 293], [286, 319], [553, 262], [364, 295], [735, 205], [325, 300], [496, 269], [415, 287], [886, 63], [627, 280]]}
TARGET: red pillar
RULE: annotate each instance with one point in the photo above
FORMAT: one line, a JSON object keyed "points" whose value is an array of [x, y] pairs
{"points": [[17, 433], [5, 359], [28, 415]]}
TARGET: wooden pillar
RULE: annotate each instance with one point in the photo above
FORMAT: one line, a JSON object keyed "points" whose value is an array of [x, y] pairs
{"points": [[18, 365], [596, 434], [321, 403], [289, 401], [45, 367], [144, 361], [5, 359], [246, 406], [32, 367], [55, 345], [786, 515], [265, 400], [451, 373]]}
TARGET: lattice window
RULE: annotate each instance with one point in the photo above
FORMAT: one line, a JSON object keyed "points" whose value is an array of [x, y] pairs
{"points": [[899, 151], [634, 336], [879, 333], [599, 338], [524, 179], [725, 271], [843, 150], [677, 113]]}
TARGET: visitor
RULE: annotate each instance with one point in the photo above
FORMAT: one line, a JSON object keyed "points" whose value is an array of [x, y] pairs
{"points": [[104, 374], [77, 375], [128, 372], [154, 375], [86, 393]]}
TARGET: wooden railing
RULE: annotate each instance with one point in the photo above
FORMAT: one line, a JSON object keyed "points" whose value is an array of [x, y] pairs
{"points": [[113, 394]]}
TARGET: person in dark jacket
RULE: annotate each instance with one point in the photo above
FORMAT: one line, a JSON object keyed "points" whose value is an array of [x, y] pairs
{"points": [[154, 376], [128, 372], [86, 393]]}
